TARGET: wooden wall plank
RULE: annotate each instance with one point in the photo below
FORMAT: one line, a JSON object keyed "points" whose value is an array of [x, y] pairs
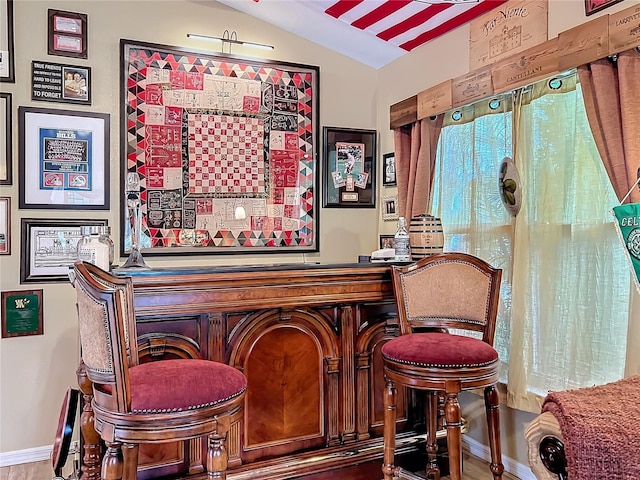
{"points": [[435, 100], [403, 113], [624, 29], [527, 67], [472, 86], [584, 43]]}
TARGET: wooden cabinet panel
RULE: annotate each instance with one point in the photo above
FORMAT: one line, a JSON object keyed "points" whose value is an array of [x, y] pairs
{"points": [[284, 398]]}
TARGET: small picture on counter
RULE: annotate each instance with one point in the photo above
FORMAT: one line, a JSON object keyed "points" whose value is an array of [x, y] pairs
{"points": [[387, 241]]}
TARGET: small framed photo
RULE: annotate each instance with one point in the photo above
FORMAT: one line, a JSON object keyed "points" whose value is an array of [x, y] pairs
{"points": [[390, 207], [5, 225], [49, 248], [389, 169], [7, 55], [67, 36], [349, 167], [56, 82], [22, 313], [6, 150], [387, 241], [63, 159]]}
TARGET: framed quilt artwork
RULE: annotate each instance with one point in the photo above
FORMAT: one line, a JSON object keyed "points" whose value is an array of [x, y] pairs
{"points": [[224, 148]]}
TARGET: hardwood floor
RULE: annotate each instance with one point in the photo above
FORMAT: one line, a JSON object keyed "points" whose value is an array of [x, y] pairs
{"points": [[474, 469]]}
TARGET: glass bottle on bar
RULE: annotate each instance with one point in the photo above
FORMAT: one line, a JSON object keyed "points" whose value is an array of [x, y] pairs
{"points": [[402, 242]]}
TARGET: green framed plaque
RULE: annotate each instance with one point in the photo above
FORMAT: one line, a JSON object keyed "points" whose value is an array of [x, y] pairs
{"points": [[22, 313]]}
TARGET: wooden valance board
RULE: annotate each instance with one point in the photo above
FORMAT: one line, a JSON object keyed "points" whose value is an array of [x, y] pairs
{"points": [[435, 99], [602, 36], [624, 29], [527, 67], [472, 86], [583, 44]]}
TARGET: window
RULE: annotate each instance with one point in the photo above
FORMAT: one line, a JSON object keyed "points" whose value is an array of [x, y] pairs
{"points": [[565, 293]]}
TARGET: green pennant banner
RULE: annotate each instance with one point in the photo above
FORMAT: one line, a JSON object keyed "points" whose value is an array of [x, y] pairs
{"points": [[628, 226]]}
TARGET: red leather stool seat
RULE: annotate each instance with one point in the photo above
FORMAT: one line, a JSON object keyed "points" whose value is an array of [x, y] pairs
{"points": [[175, 385], [439, 350]]}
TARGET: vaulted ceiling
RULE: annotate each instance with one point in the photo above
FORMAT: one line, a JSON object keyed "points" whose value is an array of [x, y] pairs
{"points": [[373, 32]]}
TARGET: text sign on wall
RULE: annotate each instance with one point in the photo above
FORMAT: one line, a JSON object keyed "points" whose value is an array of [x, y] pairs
{"points": [[510, 28], [55, 82]]}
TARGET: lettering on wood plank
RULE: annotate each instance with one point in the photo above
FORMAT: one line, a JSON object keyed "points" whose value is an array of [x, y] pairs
{"points": [[434, 100], [527, 67], [506, 30], [472, 86], [583, 44], [624, 29]]}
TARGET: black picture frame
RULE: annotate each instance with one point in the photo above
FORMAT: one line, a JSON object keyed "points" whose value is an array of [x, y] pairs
{"points": [[389, 170], [63, 160], [67, 34], [62, 83], [342, 147], [7, 42], [5, 225], [6, 141], [593, 6], [48, 247]]}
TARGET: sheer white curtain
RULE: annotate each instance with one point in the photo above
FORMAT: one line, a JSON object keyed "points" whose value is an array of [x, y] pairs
{"points": [[571, 290], [565, 293], [473, 142]]}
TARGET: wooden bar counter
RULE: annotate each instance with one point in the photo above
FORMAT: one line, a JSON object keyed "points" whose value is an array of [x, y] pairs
{"points": [[307, 337]]}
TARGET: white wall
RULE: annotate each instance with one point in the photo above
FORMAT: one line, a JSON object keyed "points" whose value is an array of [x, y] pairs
{"points": [[35, 371]]}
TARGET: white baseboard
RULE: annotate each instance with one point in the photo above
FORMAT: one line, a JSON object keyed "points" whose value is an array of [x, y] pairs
{"points": [[29, 455], [477, 449], [523, 472]]}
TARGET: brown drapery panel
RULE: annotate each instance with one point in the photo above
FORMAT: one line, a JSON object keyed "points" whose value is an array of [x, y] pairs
{"points": [[611, 93], [415, 149]]}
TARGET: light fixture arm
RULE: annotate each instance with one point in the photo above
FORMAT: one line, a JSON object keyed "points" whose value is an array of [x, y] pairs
{"points": [[230, 38]]}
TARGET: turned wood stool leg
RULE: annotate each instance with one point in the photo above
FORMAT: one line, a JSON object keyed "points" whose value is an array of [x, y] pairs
{"points": [[130, 454], [112, 464], [90, 466], [492, 406], [389, 402], [216, 457], [454, 436], [431, 413]]}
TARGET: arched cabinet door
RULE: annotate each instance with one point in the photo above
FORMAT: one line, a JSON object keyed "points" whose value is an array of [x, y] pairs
{"points": [[291, 361], [166, 346], [379, 325]]}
